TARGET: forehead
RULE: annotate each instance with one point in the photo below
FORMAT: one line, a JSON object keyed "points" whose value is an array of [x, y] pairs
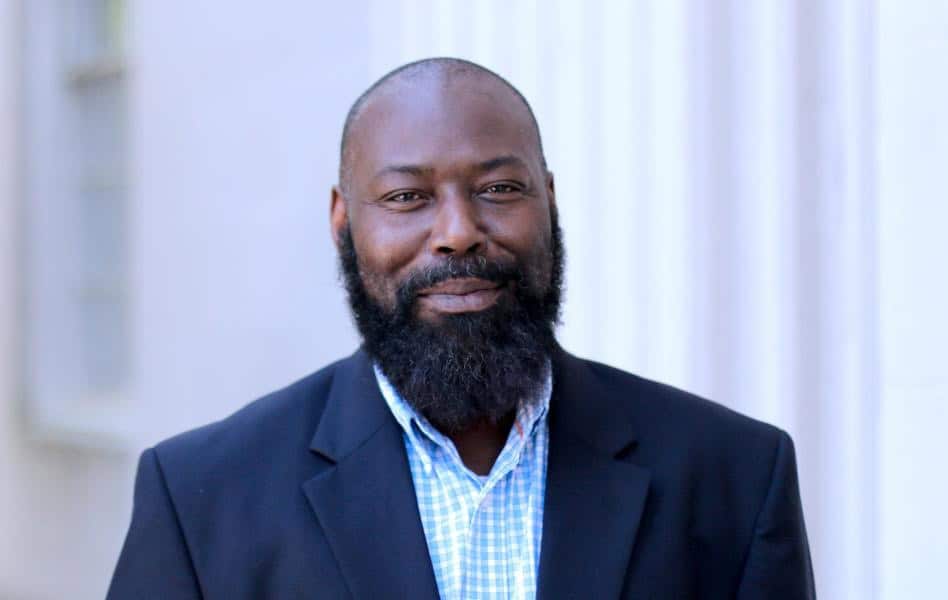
{"points": [[441, 124]]}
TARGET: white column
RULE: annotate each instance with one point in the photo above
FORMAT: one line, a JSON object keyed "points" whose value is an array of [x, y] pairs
{"points": [[912, 89], [10, 164]]}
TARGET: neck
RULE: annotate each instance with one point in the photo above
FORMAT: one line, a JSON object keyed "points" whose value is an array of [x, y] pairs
{"points": [[481, 444]]}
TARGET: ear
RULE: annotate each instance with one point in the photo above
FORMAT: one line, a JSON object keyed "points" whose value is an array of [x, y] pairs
{"points": [[551, 190], [338, 214]]}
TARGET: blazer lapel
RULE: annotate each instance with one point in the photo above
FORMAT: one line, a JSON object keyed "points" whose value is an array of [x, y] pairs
{"points": [[365, 499], [594, 496]]}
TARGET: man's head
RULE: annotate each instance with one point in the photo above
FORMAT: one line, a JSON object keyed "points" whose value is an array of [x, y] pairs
{"points": [[445, 220]]}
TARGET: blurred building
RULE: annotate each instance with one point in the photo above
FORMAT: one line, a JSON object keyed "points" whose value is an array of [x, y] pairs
{"points": [[753, 197]]}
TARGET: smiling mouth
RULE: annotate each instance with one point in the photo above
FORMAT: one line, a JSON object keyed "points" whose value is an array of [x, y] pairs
{"points": [[461, 295]]}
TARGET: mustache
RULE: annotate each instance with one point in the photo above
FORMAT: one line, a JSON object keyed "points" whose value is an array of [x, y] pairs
{"points": [[478, 267]]}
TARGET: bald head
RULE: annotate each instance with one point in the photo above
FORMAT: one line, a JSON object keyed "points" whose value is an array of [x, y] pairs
{"points": [[431, 75]]}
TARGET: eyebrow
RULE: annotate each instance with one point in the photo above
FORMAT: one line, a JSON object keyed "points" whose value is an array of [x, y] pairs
{"points": [[417, 170], [506, 160]]}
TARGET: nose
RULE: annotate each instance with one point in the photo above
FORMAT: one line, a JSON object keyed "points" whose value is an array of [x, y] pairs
{"points": [[457, 229]]}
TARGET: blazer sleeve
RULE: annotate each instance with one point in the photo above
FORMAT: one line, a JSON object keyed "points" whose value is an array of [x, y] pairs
{"points": [[155, 562], [778, 562]]}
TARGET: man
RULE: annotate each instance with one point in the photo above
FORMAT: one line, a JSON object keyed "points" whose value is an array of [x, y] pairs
{"points": [[461, 452]]}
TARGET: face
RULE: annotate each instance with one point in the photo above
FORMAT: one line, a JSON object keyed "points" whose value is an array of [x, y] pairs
{"points": [[450, 250], [442, 173]]}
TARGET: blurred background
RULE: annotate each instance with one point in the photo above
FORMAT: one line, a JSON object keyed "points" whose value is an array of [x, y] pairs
{"points": [[753, 196]]}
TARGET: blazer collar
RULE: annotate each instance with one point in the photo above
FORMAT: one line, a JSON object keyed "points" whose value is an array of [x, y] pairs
{"points": [[355, 409], [365, 499], [588, 409], [595, 494]]}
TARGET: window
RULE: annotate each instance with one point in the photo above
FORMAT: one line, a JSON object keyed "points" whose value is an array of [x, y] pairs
{"points": [[77, 215]]}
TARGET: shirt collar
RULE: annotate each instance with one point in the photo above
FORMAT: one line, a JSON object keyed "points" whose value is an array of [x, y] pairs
{"points": [[425, 438]]}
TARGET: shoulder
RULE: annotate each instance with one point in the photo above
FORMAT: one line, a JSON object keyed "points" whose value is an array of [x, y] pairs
{"points": [[277, 426], [669, 419], [674, 405], [695, 449]]}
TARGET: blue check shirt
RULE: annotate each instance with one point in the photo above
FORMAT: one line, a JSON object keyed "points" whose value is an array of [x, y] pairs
{"points": [[483, 532]]}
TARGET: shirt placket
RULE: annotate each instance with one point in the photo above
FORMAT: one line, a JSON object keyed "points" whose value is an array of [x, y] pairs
{"points": [[479, 540]]}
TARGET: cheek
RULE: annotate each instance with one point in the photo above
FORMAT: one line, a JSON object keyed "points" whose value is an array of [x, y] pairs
{"points": [[385, 251], [527, 234], [530, 239]]}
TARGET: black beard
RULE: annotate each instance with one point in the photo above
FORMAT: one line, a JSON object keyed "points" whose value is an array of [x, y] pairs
{"points": [[470, 367]]}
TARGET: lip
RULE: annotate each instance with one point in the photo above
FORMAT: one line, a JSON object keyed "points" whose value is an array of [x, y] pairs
{"points": [[467, 294], [460, 287]]}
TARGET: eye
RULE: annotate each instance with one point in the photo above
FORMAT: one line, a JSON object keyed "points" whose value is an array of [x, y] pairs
{"points": [[502, 189], [403, 198]]}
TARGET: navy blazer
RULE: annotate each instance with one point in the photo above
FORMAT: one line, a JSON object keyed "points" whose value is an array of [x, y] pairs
{"points": [[306, 494]]}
